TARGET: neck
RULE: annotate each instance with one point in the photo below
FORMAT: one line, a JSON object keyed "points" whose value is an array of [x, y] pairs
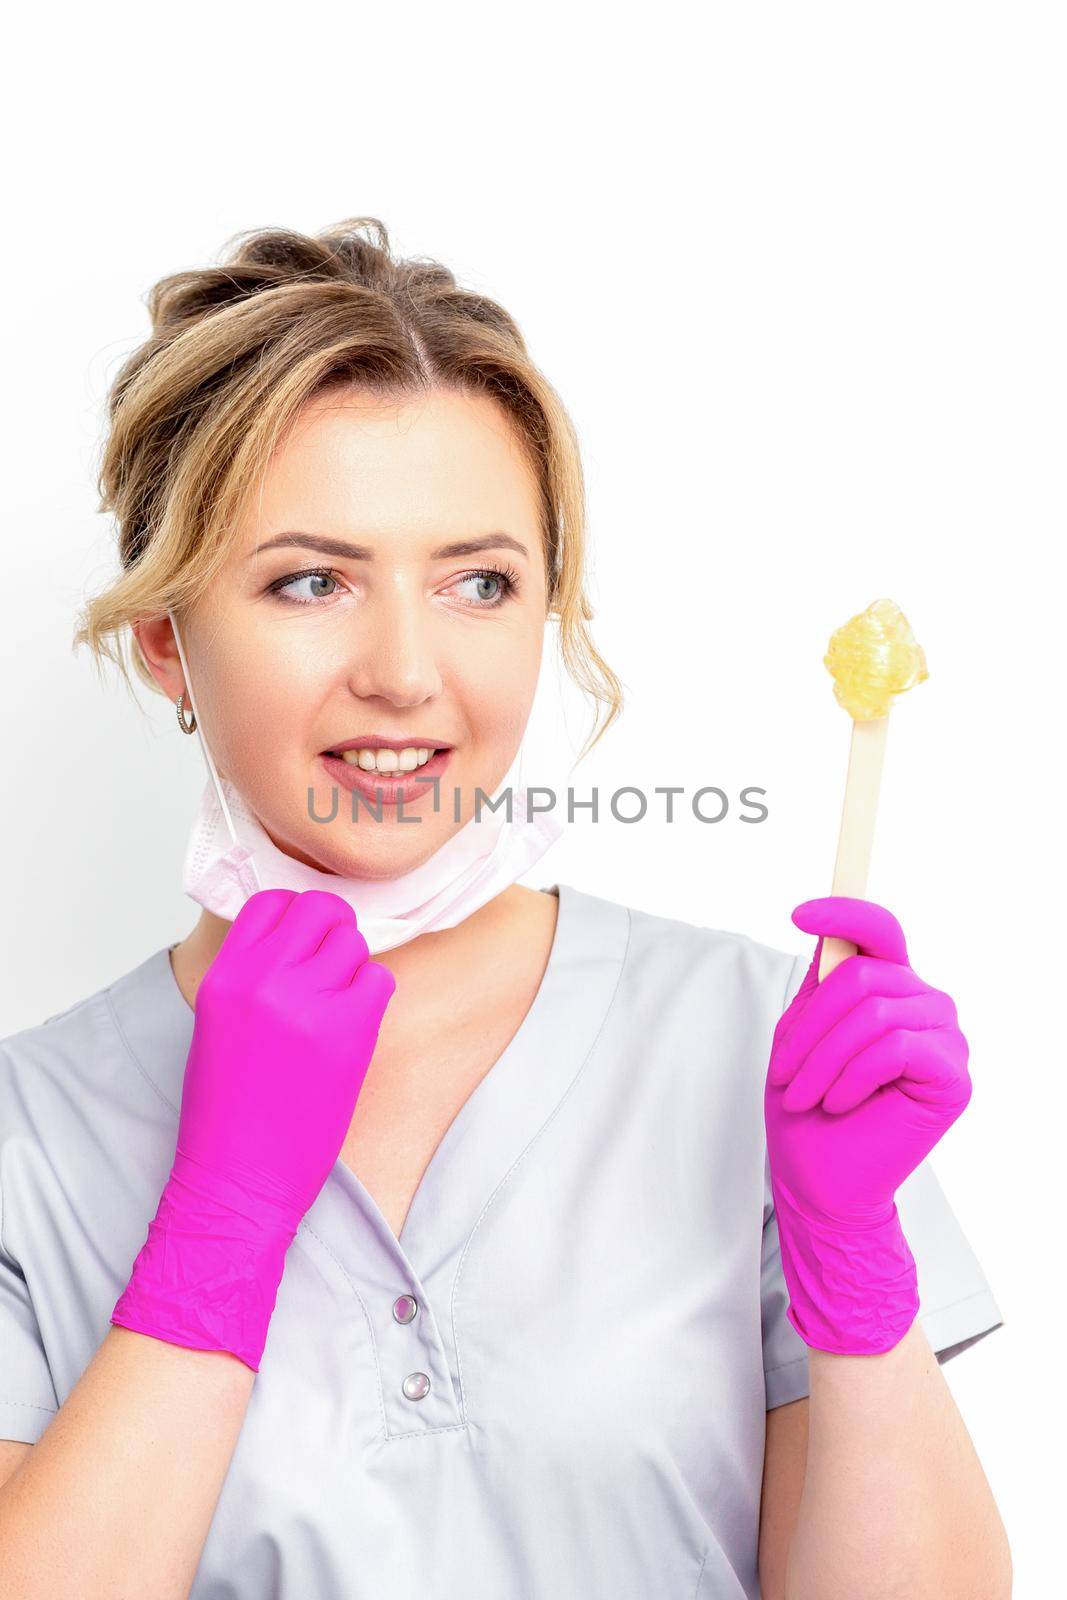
{"points": [[423, 955]]}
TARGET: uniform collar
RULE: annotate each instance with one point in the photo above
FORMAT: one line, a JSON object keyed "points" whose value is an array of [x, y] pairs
{"points": [[156, 1020]]}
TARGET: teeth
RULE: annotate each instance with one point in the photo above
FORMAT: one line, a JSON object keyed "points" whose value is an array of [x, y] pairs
{"points": [[405, 760]]}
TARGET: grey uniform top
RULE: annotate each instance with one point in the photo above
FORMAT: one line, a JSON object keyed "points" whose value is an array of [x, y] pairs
{"points": [[593, 1256]]}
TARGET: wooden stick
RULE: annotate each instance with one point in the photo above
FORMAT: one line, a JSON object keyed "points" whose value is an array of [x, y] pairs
{"points": [[865, 758]]}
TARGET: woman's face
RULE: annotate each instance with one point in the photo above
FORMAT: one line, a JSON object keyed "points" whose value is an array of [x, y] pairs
{"points": [[347, 612]]}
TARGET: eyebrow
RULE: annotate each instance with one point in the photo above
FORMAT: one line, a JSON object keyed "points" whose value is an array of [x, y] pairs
{"points": [[361, 552]]}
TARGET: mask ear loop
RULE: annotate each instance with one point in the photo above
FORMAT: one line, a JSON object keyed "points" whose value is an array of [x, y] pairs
{"points": [[209, 763]]}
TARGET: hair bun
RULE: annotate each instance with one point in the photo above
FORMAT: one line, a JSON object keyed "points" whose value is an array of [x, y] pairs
{"points": [[355, 251]]}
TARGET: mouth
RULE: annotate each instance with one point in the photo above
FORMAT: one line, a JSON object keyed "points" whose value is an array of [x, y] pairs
{"points": [[387, 755], [386, 773]]}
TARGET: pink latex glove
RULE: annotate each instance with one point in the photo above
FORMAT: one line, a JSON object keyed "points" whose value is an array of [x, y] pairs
{"points": [[286, 1020], [867, 1071]]}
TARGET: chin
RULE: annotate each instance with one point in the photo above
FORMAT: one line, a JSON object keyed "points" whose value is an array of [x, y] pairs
{"points": [[372, 870]]}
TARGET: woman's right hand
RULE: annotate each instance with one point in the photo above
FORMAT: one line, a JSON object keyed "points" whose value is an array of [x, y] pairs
{"points": [[287, 1018]]}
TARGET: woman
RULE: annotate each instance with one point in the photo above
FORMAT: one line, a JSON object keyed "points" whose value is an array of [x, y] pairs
{"points": [[404, 1230]]}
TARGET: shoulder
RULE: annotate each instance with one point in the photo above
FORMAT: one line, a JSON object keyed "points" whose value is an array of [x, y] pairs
{"points": [[671, 956], [59, 1038], [55, 1068], [747, 965]]}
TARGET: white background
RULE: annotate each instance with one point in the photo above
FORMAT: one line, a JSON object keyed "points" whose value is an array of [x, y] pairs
{"points": [[800, 279]]}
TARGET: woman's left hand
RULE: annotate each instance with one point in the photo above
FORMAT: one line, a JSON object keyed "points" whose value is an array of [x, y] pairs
{"points": [[868, 1068]]}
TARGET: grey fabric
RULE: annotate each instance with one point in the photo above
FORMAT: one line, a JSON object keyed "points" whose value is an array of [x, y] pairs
{"points": [[594, 1254]]}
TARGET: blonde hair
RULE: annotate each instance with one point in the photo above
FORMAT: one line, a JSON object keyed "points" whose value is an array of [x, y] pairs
{"points": [[237, 349]]}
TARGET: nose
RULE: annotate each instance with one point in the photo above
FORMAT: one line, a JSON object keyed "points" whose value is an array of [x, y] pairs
{"points": [[394, 654]]}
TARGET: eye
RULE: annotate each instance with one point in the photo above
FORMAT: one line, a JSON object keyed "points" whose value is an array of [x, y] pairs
{"points": [[316, 577], [322, 585], [505, 579]]}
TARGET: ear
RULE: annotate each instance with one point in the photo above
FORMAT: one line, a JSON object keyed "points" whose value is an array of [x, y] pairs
{"points": [[155, 637]]}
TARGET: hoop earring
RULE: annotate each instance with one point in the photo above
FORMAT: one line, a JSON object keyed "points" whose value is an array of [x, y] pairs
{"points": [[186, 727]]}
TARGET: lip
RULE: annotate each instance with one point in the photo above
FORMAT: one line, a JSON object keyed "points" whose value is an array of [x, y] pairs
{"points": [[386, 787]]}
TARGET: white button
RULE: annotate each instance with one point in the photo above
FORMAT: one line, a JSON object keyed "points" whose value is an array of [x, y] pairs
{"points": [[416, 1386], [405, 1307]]}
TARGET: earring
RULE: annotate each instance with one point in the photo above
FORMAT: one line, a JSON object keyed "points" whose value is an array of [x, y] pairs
{"points": [[186, 727]]}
